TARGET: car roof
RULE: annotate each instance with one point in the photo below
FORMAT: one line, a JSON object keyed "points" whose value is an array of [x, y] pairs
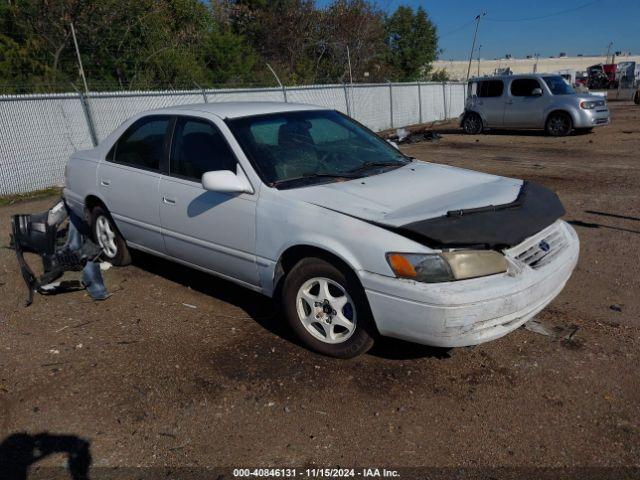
{"points": [[518, 75], [237, 109]]}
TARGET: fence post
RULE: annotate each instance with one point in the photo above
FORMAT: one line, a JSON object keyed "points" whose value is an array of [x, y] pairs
{"points": [[86, 108], [419, 103], [444, 99], [391, 102], [346, 98], [284, 93]]}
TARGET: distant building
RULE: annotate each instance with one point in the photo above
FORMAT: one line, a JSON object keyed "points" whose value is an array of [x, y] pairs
{"points": [[457, 69]]}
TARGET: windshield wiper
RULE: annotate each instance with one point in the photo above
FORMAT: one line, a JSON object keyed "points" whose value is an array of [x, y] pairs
{"points": [[306, 176], [375, 164]]}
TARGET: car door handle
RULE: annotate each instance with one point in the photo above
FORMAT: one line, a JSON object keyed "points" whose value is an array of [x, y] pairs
{"points": [[105, 183], [169, 201]]}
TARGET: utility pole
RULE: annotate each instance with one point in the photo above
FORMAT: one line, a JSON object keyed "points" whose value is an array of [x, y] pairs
{"points": [[479, 50], [350, 82], [606, 60], [75, 42], [473, 45], [535, 65], [284, 90], [349, 61]]}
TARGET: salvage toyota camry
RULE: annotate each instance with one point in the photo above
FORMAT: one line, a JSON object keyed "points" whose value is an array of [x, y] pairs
{"points": [[304, 204]]}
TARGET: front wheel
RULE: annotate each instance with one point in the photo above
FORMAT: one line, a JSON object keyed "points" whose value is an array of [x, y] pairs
{"points": [[472, 124], [327, 309], [106, 235], [559, 124]]}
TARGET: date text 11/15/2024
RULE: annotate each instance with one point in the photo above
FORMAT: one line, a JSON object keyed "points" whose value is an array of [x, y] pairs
{"points": [[315, 473]]}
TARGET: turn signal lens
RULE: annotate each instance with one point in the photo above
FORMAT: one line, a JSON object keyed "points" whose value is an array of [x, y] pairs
{"points": [[401, 265], [422, 268]]}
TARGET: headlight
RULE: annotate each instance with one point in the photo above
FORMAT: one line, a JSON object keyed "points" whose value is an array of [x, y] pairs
{"points": [[591, 104], [447, 266]]}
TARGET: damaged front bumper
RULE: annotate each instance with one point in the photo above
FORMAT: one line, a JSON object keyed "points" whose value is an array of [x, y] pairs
{"points": [[479, 310]]}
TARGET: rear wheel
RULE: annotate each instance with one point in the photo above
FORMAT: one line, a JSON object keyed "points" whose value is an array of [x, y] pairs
{"points": [[559, 124], [472, 124], [327, 309], [106, 235]]}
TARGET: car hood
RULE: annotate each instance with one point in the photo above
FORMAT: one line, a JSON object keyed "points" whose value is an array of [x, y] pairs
{"points": [[589, 97], [415, 192]]}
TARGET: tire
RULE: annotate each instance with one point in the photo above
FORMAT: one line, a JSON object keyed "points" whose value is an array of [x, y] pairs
{"points": [[472, 124], [108, 237], [327, 309], [559, 124], [636, 98]]}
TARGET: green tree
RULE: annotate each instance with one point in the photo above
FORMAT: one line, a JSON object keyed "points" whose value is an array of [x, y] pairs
{"points": [[413, 43], [143, 44], [439, 76], [124, 44], [356, 26]]}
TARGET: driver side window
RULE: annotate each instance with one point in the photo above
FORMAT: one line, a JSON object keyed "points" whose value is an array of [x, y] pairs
{"points": [[199, 147]]}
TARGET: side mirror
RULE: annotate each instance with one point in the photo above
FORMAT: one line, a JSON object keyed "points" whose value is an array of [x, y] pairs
{"points": [[226, 181], [536, 92]]}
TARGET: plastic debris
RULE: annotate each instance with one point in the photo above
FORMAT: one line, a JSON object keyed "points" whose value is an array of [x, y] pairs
{"points": [[556, 331], [63, 246]]}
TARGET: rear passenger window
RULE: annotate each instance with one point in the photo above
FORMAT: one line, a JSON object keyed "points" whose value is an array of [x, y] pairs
{"points": [[199, 147], [524, 87], [490, 88], [142, 145]]}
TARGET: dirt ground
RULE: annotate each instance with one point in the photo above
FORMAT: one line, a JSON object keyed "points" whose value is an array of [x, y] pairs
{"points": [[178, 368]]}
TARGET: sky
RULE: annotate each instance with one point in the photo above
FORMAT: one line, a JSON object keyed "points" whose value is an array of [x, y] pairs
{"points": [[587, 29]]}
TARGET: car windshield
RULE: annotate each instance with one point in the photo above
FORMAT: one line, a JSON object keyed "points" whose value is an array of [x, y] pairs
{"points": [[291, 149], [558, 85]]}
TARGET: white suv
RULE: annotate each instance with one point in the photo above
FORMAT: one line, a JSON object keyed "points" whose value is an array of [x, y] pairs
{"points": [[531, 102]]}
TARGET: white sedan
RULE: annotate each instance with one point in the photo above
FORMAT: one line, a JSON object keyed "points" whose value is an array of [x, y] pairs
{"points": [[305, 205]]}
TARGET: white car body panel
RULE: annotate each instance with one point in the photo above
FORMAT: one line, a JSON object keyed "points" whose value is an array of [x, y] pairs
{"points": [[242, 237], [414, 192]]}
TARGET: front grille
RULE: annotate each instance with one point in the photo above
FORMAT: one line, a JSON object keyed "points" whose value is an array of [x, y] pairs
{"points": [[540, 251], [601, 120]]}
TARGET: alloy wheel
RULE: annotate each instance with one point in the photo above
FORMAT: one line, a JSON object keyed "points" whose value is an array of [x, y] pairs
{"points": [[472, 124], [326, 310], [559, 125], [106, 236]]}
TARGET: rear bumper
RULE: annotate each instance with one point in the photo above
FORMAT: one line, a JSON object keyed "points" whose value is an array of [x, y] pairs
{"points": [[473, 311]]}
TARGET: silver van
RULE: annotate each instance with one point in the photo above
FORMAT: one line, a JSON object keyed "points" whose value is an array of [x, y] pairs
{"points": [[535, 101]]}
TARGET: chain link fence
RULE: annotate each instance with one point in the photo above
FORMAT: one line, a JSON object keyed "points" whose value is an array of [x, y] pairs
{"points": [[39, 132]]}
